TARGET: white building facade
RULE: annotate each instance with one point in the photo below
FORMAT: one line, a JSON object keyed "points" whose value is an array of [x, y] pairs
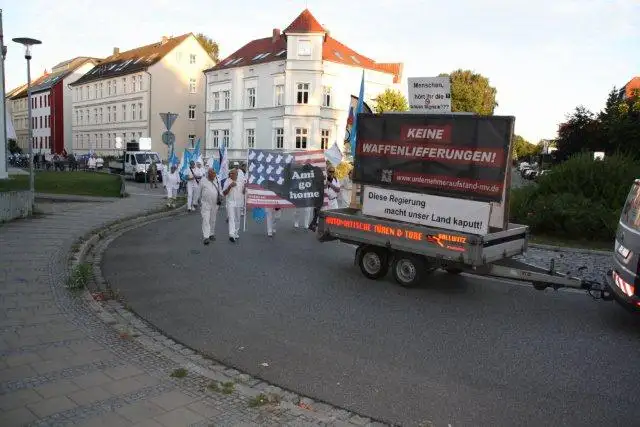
{"points": [[124, 95], [289, 91]]}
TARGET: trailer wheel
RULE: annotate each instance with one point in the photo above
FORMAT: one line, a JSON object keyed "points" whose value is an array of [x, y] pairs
{"points": [[373, 261], [408, 270]]}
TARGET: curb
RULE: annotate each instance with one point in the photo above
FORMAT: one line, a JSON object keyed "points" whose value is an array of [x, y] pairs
{"points": [[572, 250], [128, 324]]}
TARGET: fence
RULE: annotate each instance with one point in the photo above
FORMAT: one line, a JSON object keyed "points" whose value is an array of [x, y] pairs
{"points": [[15, 204]]}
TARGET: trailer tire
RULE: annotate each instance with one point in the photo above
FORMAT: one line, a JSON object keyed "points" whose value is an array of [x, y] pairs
{"points": [[408, 269], [373, 261]]}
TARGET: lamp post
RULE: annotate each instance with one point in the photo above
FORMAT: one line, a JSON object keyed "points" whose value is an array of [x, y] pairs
{"points": [[27, 43]]}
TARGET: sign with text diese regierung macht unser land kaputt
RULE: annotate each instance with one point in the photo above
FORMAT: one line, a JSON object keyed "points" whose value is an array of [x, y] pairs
{"points": [[467, 216]]}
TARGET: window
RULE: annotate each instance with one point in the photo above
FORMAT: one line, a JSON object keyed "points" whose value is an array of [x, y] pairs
{"points": [[304, 47], [301, 137], [192, 139], [192, 86], [139, 135], [115, 110], [192, 112], [109, 88], [303, 93], [251, 138], [133, 111], [124, 85], [326, 96], [109, 110], [40, 122], [216, 101], [279, 95], [100, 91], [324, 138], [140, 111], [124, 112], [227, 99], [214, 138], [95, 116], [279, 138], [140, 83], [100, 114], [95, 90], [225, 138], [77, 117], [192, 59], [251, 97]]}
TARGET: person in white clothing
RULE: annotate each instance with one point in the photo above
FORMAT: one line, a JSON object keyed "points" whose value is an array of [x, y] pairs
{"points": [[304, 214], [172, 184], [332, 189], [346, 184], [242, 178], [200, 170], [193, 179], [273, 215], [210, 195], [234, 193]]}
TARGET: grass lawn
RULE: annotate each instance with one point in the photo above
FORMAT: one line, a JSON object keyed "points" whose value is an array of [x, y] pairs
{"points": [[583, 244], [74, 183]]}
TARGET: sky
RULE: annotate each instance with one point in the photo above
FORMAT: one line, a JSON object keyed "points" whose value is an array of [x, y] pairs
{"points": [[545, 57]]}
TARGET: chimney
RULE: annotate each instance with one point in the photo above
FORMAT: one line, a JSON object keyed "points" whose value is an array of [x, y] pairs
{"points": [[164, 39], [276, 35], [116, 50]]}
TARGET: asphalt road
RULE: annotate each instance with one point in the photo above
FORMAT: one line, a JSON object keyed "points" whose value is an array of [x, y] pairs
{"points": [[459, 350]]}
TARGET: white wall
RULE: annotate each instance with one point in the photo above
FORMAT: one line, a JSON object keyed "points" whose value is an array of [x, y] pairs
{"points": [[20, 123], [171, 93], [41, 113], [67, 102]]}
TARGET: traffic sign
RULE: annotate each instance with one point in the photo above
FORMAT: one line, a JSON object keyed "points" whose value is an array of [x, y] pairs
{"points": [[168, 119], [168, 137]]}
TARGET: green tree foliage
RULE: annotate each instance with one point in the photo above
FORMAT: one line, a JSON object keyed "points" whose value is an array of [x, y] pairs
{"points": [[209, 45], [390, 100], [521, 148], [615, 129], [472, 93], [13, 147], [579, 199]]}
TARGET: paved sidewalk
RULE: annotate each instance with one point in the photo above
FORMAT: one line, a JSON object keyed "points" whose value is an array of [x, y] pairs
{"points": [[61, 365]]}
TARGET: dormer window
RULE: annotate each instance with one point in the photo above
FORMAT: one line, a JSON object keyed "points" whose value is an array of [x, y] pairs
{"points": [[304, 48]]}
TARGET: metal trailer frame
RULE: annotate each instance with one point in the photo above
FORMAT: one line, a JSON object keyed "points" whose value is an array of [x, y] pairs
{"points": [[392, 245]]}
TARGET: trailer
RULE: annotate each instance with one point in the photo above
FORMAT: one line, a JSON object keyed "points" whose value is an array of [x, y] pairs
{"points": [[397, 159]]}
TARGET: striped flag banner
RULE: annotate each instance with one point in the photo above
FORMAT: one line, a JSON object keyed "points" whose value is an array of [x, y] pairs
{"points": [[267, 175]]}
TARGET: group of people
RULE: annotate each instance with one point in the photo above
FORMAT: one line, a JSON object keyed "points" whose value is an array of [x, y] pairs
{"points": [[204, 190]]}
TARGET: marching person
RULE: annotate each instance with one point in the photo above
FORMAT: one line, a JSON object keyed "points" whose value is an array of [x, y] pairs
{"points": [[333, 188], [234, 193], [346, 185], [211, 196], [273, 215], [192, 183], [304, 214], [165, 172], [202, 172], [172, 184], [153, 174], [242, 178]]}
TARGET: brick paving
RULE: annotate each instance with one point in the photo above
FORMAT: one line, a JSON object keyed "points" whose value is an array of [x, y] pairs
{"points": [[61, 364]]}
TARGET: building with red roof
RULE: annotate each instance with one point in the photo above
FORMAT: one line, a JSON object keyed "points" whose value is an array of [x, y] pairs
{"points": [[291, 90]]}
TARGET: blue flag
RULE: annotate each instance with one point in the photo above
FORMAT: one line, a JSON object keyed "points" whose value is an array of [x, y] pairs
{"points": [[197, 155], [354, 129], [223, 171], [184, 167]]}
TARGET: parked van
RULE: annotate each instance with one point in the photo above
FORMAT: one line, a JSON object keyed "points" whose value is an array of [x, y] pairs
{"points": [[625, 276]]}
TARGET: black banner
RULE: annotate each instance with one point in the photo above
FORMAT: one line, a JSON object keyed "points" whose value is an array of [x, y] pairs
{"points": [[462, 156]]}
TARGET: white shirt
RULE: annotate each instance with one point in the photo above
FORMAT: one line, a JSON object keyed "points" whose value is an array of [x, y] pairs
{"points": [[173, 180], [235, 198], [92, 162], [209, 191], [197, 173], [331, 193]]}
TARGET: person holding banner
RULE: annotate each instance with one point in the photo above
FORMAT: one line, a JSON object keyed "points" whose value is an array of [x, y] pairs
{"points": [[211, 197], [172, 184], [332, 188], [305, 214], [273, 215], [234, 192], [193, 179]]}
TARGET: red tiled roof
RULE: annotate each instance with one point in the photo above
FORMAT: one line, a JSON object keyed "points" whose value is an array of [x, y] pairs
{"points": [[305, 23], [22, 93], [267, 49]]}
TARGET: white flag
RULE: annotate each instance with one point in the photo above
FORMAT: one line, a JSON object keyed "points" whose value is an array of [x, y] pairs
{"points": [[333, 154]]}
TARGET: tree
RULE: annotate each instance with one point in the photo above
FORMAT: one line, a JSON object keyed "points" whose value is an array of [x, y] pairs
{"points": [[471, 92], [209, 45], [390, 100], [581, 132], [13, 147], [620, 124], [522, 148]]}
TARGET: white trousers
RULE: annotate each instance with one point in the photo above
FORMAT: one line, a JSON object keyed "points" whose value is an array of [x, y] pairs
{"points": [[305, 214], [272, 218], [209, 213], [233, 212], [333, 204], [171, 193], [191, 187]]}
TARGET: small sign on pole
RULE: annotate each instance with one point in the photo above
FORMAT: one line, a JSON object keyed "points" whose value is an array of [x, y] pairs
{"points": [[430, 95], [168, 119]]}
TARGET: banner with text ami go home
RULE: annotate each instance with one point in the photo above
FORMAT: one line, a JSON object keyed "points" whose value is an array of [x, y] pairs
{"points": [[461, 156], [467, 216]]}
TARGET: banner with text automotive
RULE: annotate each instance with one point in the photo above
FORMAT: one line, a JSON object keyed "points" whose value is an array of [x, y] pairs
{"points": [[466, 216], [448, 155]]}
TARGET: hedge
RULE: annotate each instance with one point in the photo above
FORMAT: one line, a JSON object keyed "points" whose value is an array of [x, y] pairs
{"points": [[579, 199]]}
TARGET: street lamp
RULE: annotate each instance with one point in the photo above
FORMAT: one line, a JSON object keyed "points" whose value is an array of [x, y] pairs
{"points": [[27, 43]]}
